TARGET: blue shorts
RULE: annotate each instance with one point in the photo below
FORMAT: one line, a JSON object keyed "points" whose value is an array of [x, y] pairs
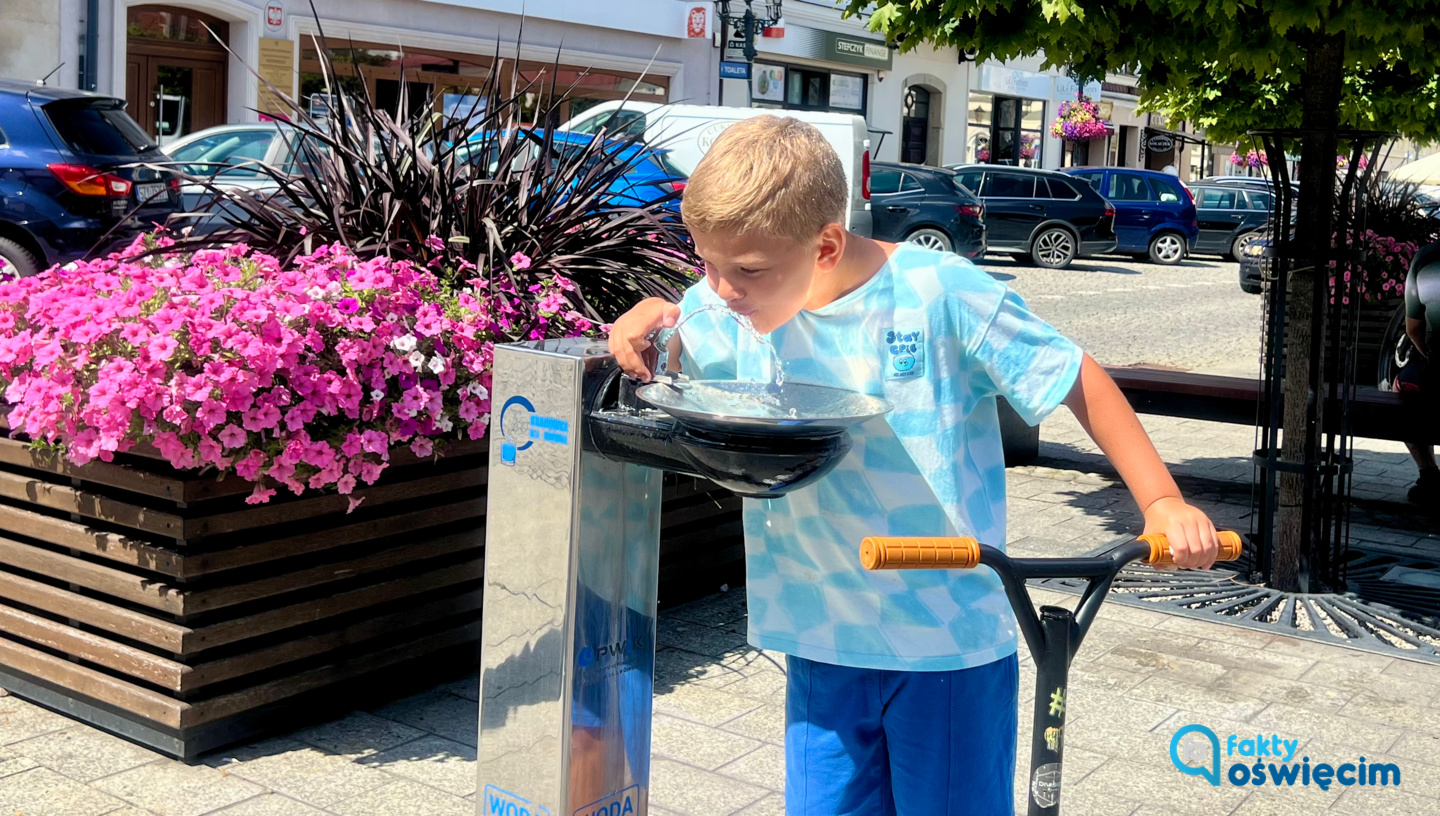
{"points": [[871, 741]]}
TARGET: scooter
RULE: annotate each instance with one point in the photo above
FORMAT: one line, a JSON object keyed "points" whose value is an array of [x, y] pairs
{"points": [[1053, 635]]}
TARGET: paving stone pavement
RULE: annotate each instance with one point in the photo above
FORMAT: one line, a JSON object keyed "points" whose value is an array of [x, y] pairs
{"points": [[719, 704]]}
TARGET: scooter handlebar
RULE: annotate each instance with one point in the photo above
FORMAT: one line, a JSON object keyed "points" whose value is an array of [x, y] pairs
{"points": [[959, 552], [1231, 546], [898, 552]]}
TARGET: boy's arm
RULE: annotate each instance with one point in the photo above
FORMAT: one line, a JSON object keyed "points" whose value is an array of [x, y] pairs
{"points": [[1106, 415]]}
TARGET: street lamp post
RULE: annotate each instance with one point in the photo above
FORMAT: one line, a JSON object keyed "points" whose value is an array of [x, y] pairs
{"points": [[749, 23]]}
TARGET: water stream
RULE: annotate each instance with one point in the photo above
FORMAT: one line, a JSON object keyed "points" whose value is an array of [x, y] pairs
{"points": [[778, 372]]}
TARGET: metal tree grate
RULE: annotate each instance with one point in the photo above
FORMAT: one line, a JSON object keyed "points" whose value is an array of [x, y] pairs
{"points": [[1392, 603]]}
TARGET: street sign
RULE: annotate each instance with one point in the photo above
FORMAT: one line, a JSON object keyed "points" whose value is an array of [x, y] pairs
{"points": [[735, 70], [1160, 143], [735, 44]]}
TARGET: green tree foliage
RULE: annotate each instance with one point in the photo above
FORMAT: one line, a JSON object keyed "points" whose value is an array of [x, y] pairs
{"points": [[1226, 65]]}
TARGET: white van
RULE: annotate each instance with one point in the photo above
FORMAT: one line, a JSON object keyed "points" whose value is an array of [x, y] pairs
{"points": [[687, 131]]}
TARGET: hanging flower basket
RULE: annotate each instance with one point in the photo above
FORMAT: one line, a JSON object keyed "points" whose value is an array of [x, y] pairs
{"points": [[1252, 158], [1079, 121]]}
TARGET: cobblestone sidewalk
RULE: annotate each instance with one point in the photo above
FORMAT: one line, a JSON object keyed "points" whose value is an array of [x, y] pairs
{"points": [[719, 718]]}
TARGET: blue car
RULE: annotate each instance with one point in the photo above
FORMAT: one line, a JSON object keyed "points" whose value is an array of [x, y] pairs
{"points": [[652, 174], [1154, 212], [69, 177]]}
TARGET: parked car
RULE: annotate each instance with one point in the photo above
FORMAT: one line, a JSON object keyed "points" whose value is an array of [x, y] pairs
{"points": [[927, 206], [71, 183], [652, 173], [1252, 262], [1041, 216], [687, 131], [1230, 217], [1247, 181], [1154, 212]]}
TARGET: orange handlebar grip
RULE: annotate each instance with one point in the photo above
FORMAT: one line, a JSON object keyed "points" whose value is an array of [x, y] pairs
{"points": [[896, 552], [1231, 546]]}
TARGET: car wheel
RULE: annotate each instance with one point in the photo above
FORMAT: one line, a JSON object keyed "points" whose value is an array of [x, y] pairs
{"points": [[1241, 243], [930, 239], [1054, 248], [1167, 248], [16, 261]]}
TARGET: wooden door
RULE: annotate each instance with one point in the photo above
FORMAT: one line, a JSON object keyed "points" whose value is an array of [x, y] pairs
{"points": [[174, 90]]}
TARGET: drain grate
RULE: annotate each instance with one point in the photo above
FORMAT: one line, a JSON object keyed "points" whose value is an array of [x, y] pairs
{"points": [[1392, 606]]}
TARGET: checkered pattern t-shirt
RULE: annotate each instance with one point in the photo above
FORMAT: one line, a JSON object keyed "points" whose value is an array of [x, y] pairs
{"points": [[940, 339]]}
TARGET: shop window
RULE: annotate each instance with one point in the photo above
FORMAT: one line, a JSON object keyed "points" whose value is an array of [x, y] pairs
{"points": [[807, 89], [176, 25]]}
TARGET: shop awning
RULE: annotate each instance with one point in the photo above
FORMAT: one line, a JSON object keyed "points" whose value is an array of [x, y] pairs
{"points": [[1420, 171]]}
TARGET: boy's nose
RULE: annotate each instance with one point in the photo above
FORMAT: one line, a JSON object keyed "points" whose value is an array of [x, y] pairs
{"points": [[727, 293]]}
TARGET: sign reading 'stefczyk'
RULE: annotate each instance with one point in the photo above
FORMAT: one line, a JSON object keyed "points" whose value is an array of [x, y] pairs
{"points": [[856, 51]]}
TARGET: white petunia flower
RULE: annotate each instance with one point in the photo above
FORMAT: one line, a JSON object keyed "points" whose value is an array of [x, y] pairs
{"points": [[377, 395], [479, 390], [404, 344], [437, 364], [417, 359], [445, 424], [315, 292]]}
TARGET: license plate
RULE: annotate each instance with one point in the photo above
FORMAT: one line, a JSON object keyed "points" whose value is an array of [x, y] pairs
{"points": [[148, 192]]}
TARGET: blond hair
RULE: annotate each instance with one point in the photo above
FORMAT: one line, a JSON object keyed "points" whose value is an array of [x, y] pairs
{"points": [[773, 175]]}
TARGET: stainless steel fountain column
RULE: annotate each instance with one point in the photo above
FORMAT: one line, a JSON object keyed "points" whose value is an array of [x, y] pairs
{"points": [[571, 551]]}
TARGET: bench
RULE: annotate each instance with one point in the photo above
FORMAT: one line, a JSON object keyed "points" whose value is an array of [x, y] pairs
{"points": [[1374, 414]]}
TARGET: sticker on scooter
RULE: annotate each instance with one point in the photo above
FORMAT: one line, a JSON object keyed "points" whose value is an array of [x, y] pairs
{"points": [[1045, 785], [1057, 703], [620, 803], [500, 802], [1052, 738]]}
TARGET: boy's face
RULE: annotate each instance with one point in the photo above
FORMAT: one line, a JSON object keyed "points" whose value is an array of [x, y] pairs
{"points": [[768, 279]]}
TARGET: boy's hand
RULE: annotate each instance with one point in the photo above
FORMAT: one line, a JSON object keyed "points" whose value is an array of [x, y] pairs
{"points": [[630, 335], [1193, 541]]}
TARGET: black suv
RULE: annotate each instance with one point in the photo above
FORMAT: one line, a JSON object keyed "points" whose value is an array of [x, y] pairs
{"points": [[1230, 216], [926, 206], [1038, 215], [69, 175]]}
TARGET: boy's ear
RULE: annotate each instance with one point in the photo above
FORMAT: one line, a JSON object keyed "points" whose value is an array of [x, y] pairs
{"points": [[831, 247]]}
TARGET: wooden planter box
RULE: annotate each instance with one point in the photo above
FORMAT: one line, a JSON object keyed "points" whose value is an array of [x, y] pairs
{"points": [[156, 604]]}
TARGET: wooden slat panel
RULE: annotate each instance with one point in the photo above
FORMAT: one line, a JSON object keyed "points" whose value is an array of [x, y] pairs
{"points": [[160, 486], [220, 707], [134, 625], [229, 668], [197, 601], [92, 647], [275, 620], [80, 680], [134, 588], [90, 505], [93, 541], [192, 566], [180, 565], [328, 503]]}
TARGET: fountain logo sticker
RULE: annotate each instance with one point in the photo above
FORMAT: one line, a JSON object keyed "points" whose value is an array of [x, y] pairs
{"points": [[905, 353], [540, 428]]}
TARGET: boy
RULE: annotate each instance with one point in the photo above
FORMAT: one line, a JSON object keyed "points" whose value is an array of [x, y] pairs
{"points": [[902, 688]]}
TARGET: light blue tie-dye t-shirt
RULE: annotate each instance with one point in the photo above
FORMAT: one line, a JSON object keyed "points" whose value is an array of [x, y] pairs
{"points": [[940, 339]]}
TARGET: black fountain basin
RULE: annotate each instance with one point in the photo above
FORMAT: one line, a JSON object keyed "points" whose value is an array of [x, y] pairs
{"points": [[751, 439]]}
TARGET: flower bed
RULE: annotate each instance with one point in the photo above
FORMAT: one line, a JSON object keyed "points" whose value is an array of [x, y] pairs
{"points": [[248, 491]]}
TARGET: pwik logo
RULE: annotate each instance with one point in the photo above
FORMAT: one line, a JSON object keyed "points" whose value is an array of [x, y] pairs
{"points": [[1269, 760]]}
